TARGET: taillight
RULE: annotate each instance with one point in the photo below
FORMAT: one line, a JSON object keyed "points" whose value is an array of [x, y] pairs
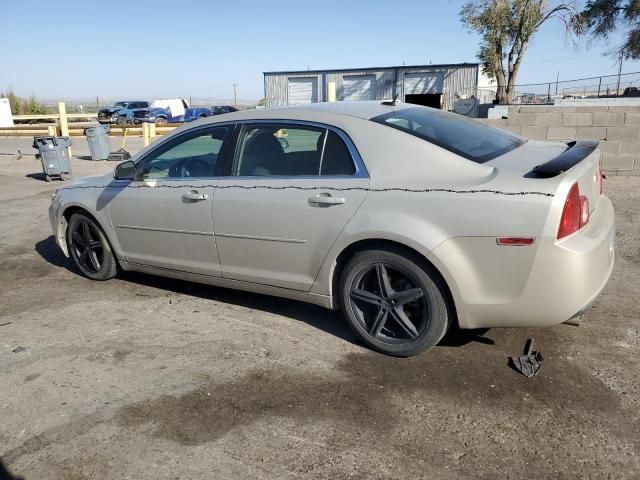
{"points": [[575, 214]]}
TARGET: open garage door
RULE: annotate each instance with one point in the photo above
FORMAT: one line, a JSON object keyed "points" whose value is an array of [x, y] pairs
{"points": [[359, 87], [303, 90], [424, 88]]}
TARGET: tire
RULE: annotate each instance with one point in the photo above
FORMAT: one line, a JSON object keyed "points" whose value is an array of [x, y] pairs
{"points": [[202, 115], [99, 263], [47, 178], [394, 302], [121, 121], [161, 121]]}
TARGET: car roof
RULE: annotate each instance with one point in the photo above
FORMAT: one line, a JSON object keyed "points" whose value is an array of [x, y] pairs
{"points": [[319, 111]]}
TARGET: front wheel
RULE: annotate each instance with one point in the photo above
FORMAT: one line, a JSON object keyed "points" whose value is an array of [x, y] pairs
{"points": [[161, 121], [89, 248], [394, 303]]}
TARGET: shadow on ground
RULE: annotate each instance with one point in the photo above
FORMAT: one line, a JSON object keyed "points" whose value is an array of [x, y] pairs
{"points": [[5, 474], [326, 320]]}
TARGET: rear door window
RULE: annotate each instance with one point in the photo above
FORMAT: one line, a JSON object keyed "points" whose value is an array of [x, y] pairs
{"points": [[461, 135], [290, 150]]}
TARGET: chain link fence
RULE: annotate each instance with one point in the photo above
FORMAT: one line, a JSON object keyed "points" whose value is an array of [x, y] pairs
{"points": [[609, 86]]}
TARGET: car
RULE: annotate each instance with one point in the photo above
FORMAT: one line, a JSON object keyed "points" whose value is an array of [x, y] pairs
{"points": [[121, 113], [170, 111], [220, 109], [631, 92], [409, 219], [109, 114]]}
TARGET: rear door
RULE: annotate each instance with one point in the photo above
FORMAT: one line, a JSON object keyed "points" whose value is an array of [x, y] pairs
{"points": [[283, 204]]}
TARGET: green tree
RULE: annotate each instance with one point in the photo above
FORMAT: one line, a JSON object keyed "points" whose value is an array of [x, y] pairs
{"points": [[506, 28], [602, 17], [23, 106]]}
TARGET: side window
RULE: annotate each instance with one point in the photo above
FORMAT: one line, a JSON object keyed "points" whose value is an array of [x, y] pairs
{"points": [[193, 155], [278, 150], [336, 158]]}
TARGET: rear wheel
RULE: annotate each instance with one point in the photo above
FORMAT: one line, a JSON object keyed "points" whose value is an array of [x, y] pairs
{"points": [[89, 248], [394, 302]]}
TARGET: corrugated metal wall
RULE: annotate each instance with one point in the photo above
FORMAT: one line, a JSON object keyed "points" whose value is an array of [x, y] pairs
{"points": [[458, 79]]}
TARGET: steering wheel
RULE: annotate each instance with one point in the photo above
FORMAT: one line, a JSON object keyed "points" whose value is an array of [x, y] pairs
{"points": [[195, 167]]}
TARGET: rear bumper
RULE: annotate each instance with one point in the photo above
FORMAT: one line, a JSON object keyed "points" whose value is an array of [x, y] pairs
{"points": [[536, 286]]}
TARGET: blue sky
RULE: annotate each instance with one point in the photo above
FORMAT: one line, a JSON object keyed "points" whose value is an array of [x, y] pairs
{"points": [[75, 49]]}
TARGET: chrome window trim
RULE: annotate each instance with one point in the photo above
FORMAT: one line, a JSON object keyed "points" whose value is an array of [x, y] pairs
{"points": [[361, 169]]}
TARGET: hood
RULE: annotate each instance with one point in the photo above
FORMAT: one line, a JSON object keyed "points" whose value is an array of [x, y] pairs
{"points": [[94, 180], [110, 109]]}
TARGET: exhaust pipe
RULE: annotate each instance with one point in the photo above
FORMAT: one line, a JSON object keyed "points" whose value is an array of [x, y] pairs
{"points": [[575, 321]]}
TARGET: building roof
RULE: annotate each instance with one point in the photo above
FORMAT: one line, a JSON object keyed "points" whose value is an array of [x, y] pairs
{"points": [[339, 70]]}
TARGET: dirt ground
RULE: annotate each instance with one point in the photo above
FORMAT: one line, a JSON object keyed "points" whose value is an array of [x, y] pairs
{"points": [[147, 378]]}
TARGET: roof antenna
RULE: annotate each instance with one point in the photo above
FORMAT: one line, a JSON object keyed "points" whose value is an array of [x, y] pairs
{"points": [[391, 103]]}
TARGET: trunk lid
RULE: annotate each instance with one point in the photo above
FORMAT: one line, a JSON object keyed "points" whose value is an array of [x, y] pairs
{"points": [[560, 162]]}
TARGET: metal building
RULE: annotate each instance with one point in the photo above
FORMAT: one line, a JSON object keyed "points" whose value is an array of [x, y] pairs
{"points": [[439, 86]]}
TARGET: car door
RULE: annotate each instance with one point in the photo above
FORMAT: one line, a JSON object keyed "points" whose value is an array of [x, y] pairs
{"points": [[164, 217], [284, 201]]}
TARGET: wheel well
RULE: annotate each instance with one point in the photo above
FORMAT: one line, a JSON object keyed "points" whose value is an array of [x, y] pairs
{"points": [[397, 247], [75, 209]]}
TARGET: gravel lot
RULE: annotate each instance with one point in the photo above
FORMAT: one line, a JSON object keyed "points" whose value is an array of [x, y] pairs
{"points": [[143, 377]]}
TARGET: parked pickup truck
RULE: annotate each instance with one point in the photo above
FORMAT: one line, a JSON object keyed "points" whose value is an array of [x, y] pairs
{"points": [[121, 112], [170, 111]]}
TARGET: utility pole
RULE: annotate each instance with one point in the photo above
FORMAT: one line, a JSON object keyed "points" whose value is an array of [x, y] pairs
{"points": [[235, 96], [619, 73], [557, 80]]}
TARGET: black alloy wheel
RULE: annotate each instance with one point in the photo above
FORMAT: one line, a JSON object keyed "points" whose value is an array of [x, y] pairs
{"points": [[89, 248], [394, 301], [388, 304]]}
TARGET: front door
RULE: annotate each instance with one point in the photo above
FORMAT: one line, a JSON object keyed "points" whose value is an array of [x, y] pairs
{"points": [[164, 217], [284, 202]]}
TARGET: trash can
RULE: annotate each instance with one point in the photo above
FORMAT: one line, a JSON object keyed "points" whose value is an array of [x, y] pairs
{"points": [[98, 138], [54, 156]]}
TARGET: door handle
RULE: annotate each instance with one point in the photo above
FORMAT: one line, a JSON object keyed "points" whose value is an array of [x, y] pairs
{"points": [[194, 196], [326, 199]]}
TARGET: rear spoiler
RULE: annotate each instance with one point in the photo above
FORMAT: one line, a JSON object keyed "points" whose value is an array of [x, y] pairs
{"points": [[574, 154]]}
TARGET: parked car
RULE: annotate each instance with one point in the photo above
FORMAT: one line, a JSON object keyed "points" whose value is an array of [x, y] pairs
{"points": [[110, 114], [220, 109], [121, 112], [409, 219], [631, 92], [170, 111]]}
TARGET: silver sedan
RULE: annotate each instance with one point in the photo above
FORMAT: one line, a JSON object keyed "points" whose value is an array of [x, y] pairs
{"points": [[409, 219]]}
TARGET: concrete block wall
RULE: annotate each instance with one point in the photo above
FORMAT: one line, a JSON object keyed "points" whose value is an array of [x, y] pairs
{"points": [[616, 127]]}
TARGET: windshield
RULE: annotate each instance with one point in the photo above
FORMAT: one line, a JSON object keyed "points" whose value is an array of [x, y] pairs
{"points": [[119, 104], [468, 138]]}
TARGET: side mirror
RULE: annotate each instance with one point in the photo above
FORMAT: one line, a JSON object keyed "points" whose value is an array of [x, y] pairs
{"points": [[125, 171]]}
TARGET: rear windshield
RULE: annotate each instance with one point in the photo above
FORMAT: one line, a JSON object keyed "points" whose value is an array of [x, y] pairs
{"points": [[468, 138]]}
